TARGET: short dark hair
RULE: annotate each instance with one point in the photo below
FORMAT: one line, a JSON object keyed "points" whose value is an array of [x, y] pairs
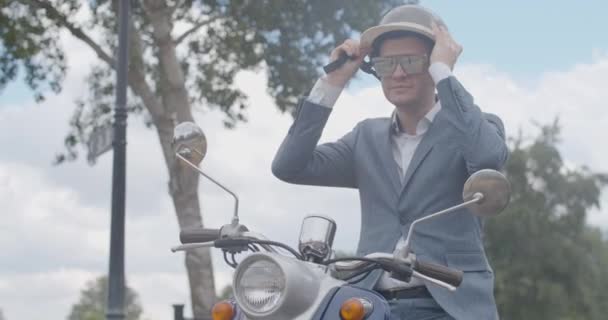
{"points": [[397, 34]]}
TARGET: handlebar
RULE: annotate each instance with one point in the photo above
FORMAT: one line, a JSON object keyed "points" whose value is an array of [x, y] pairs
{"points": [[427, 271], [198, 235], [439, 272], [354, 264], [450, 278], [194, 238]]}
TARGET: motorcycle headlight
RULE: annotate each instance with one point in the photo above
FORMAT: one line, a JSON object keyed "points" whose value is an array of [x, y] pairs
{"points": [[261, 286], [270, 286]]}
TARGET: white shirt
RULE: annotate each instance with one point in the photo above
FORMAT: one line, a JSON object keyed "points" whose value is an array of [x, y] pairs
{"points": [[403, 145]]}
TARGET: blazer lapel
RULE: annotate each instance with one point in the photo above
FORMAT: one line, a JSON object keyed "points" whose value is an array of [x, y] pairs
{"points": [[431, 137], [385, 153]]}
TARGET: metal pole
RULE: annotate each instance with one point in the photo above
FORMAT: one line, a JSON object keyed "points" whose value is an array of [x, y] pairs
{"points": [[178, 312], [116, 280]]}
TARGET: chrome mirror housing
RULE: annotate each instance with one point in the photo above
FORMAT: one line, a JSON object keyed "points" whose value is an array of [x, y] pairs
{"points": [[316, 237], [189, 142]]}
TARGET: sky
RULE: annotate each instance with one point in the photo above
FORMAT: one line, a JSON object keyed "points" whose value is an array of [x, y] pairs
{"points": [[527, 63]]}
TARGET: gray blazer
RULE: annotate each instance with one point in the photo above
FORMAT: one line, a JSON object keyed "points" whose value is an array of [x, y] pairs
{"points": [[460, 141]]}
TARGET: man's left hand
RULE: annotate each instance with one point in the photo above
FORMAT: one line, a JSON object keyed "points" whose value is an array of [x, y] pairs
{"points": [[446, 50]]}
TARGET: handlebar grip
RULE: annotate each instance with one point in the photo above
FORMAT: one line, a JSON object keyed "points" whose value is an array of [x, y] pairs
{"points": [[439, 272], [336, 64], [198, 235]]}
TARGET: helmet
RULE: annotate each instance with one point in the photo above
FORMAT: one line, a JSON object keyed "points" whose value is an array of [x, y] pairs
{"points": [[413, 18]]}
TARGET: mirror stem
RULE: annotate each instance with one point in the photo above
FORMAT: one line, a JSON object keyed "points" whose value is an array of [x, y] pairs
{"points": [[477, 197], [235, 218]]}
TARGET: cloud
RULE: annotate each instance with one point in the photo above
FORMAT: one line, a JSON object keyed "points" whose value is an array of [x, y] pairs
{"points": [[577, 96], [54, 243], [44, 224], [39, 295]]}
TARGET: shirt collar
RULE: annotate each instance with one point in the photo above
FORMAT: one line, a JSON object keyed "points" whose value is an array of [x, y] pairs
{"points": [[422, 125]]}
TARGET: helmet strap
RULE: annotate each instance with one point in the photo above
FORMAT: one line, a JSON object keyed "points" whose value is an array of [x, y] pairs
{"points": [[366, 67]]}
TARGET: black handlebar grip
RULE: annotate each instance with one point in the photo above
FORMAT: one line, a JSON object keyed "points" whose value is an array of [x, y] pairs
{"points": [[336, 64], [198, 235], [439, 272]]}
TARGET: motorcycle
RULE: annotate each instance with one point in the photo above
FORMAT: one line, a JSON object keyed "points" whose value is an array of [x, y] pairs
{"points": [[276, 281]]}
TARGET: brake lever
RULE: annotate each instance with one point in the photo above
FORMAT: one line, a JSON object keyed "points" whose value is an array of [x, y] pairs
{"points": [[189, 246], [434, 281]]}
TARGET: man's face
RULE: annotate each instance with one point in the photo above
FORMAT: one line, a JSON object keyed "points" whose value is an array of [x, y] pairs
{"points": [[400, 88]]}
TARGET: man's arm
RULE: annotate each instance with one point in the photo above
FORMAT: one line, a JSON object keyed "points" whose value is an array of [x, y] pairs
{"points": [[482, 135], [299, 160]]}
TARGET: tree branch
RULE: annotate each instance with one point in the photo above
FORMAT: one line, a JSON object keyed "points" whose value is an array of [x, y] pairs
{"points": [[137, 77], [195, 28], [206, 22], [61, 19], [172, 81]]}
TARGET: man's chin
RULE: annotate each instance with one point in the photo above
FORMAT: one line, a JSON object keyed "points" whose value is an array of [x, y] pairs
{"points": [[403, 101]]}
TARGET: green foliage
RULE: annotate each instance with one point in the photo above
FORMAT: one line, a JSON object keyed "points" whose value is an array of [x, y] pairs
{"points": [[548, 263], [92, 302], [29, 39], [291, 40], [226, 293]]}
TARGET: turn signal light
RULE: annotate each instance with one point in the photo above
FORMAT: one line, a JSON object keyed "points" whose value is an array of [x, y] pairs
{"points": [[222, 310], [352, 309]]}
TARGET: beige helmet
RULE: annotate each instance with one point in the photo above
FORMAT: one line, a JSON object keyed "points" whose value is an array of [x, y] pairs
{"points": [[413, 18]]}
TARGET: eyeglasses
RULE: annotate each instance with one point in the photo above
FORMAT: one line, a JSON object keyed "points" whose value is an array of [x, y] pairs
{"points": [[385, 66]]}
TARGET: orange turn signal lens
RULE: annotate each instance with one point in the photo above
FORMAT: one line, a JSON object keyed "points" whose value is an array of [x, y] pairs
{"points": [[352, 309], [222, 310]]}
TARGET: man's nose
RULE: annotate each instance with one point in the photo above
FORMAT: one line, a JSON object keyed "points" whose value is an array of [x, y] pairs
{"points": [[399, 72]]}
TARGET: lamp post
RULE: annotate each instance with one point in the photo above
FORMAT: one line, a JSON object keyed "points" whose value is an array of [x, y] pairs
{"points": [[116, 279]]}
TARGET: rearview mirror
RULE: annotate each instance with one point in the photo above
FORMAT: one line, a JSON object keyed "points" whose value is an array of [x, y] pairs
{"points": [[494, 188], [316, 237], [189, 142]]}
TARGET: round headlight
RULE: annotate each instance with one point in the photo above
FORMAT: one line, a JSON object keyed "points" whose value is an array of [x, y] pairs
{"points": [[260, 286]]}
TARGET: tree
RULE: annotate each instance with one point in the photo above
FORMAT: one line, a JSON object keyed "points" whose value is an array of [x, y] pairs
{"points": [[549, 263], [92, 302], [226, 293], [173, 71]]}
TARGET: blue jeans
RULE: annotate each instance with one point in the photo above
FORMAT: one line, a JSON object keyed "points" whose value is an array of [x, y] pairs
{"points": [[417, 309]]}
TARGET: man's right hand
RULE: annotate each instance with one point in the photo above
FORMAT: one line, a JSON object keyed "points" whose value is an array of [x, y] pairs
{"points": [[342, 75]]}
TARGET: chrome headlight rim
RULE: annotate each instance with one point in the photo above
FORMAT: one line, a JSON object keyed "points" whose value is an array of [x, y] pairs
{"points": [[242, 267]]}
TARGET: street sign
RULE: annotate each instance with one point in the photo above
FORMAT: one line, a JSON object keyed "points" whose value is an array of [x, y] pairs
{"points": [[100, 141]]}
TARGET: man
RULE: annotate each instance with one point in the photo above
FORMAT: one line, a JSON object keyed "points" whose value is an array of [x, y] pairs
{"points": [[408, 165]]}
